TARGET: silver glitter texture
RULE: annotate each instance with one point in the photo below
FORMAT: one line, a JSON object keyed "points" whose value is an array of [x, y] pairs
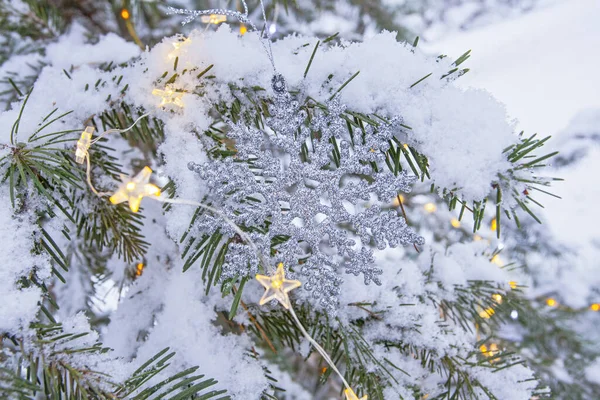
{"points": [[317, 216]]}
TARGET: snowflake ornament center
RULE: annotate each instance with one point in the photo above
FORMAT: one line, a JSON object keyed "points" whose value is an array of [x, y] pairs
{"points": [[307, 182]]}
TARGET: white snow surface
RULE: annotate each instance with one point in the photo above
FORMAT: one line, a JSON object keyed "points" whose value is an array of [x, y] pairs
{"points": [[62, 55], [17, 236], [542, 65]]}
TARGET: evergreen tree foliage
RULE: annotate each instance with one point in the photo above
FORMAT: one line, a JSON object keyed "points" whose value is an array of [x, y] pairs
{"points": [[79, 246]]}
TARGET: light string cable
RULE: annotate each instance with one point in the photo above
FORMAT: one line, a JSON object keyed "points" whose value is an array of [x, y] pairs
{"points": [[251, 243], [240, 16], [225, 218], [85, 142], [318, 347]]}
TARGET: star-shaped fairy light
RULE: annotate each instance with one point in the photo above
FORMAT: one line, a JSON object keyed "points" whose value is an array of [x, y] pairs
{"points": [[350, 395], [169, 96], [132, 190], [178, 44], [277, 287]]}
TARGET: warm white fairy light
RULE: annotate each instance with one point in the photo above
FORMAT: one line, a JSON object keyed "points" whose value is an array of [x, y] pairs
{"points": [[133, 190], [83, 144], [169, 96], [551, 302], [430, 207], [213, 19], [350, 395], [177, 45], [277, 287]]}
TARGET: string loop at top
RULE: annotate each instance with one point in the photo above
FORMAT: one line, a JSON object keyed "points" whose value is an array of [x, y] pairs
{"points": [[240, 16]]}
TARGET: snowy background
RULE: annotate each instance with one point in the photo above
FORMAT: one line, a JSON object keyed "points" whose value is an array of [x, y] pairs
{"points": [[544, 66]]}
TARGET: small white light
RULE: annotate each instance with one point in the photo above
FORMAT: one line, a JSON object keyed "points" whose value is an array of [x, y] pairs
{"points": [[514, 314], [500, 246], [272, 28]]}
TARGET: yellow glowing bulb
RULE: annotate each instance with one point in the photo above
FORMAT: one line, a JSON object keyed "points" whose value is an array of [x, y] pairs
{"points": [[497, 260], [169, 96], [430, 207], [513, 284], [493, 350], [497, 298], [132, 190], [276, 283], [83, 144], [494, 225], [178, 44], [487, 313], [139, 269], [350, 395], [397, 200], [405, 146], [243, 29], [125, 14], [595, 307], [277, 287], [213, 18], [455, 223], [551, 302]]}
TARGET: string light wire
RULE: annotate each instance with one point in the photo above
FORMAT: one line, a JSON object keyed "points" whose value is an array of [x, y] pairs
{"points": [[83, 146]]}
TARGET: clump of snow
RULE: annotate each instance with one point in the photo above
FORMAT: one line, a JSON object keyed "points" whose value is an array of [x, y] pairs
{"points": [[19, 305], [185, 324], [464, 262], [592, 372], [61, 54], [434, 275], [99, 362], [459, 135], [461, 132]]}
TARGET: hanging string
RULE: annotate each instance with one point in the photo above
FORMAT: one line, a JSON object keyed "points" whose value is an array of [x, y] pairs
{"points": [[240, 16]]}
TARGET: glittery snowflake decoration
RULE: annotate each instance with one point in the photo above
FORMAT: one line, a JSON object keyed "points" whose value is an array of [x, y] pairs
{"points": [[313, 192]]}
